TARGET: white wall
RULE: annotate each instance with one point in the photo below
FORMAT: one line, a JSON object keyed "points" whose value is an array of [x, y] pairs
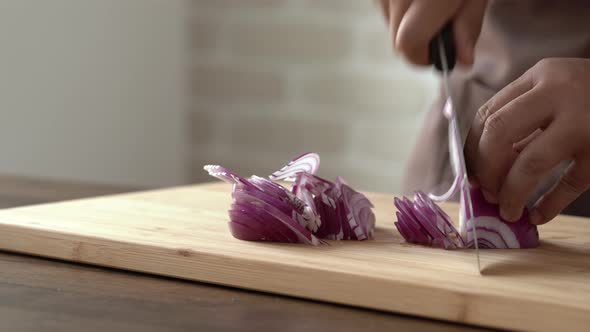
{"points": [[274, 79], [93, 90]]}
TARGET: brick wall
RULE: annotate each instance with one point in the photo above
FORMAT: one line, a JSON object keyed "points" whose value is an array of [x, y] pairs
{"points": [[274, 78]]}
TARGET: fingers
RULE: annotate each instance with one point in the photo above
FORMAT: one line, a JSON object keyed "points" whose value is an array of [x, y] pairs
{"points": [[421, 22], [503, 97], [393, 11], [397, 10], [467, 23], [572, 184], [534, 163], [512, 123], [504, 120], [513, 90], [519, 146]]}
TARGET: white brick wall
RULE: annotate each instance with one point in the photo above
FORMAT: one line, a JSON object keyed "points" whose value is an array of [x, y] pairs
{"points": [[275, 78], [94, 91]]}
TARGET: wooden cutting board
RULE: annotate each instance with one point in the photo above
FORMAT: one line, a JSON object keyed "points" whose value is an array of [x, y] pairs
{"points": [[182, 232]]}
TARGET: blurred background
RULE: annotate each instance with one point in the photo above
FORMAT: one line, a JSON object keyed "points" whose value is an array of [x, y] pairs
{"points": [[144, 92]]}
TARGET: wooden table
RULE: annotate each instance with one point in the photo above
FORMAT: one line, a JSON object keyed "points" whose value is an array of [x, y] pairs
{"points": [[46, 295]]}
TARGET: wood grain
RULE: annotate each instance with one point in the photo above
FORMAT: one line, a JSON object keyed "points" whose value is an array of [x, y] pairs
{"points": [[182, 232], [46, 295]]}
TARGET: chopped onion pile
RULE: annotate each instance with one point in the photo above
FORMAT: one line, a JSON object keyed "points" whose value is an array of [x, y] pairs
{"points": [[263, 210]]}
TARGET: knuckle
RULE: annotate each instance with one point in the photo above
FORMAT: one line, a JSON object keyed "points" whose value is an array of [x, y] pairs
{"points": [[482, 113], [550, 73], [572, 185], [495, 125], [410, 50], [544, 64], [411, 42], [403, 43]]}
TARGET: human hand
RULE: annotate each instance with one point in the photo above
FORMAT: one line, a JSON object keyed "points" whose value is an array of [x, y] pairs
{"points": [[528, 128], [414, 23]]}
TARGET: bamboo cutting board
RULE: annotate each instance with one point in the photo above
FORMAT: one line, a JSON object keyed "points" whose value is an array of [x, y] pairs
{"points": [[182, 232]]}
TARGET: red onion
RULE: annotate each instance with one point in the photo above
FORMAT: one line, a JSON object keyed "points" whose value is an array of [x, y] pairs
{"points": [[423, 222], [492, 231], [345, 213], [306, 163], [263, 210], [315, 208]]}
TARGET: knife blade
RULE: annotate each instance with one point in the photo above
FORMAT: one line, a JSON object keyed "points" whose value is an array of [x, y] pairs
{"points": [[442, 54]]}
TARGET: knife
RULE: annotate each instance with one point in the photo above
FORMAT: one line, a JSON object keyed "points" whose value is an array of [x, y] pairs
{"points": [[442, 54]]}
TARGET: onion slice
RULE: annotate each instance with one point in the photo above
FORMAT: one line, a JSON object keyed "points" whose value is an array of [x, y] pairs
{"points": [[306, 163]]}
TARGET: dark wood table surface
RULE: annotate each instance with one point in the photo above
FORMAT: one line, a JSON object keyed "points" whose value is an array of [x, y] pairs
{"points": [[47, 295]]}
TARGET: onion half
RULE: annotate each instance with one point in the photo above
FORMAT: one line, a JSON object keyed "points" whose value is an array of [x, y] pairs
{"points": [[314, 208], [492, 231]]}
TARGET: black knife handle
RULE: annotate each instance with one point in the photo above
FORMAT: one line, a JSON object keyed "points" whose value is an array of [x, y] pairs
{"points": [[449, 42]]}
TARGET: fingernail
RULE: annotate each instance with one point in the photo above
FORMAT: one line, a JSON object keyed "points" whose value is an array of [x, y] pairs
{"points": [[536, 217], [489, 197], [509, 214]]}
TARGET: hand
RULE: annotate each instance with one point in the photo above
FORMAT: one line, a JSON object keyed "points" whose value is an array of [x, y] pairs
{"points": [[526, 130], [414, 23]]}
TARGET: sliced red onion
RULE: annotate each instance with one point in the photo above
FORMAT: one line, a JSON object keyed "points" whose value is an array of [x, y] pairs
{"points": [[306, 163], [314, 208], [422, 222], [222, 173], [272, 215], [266, 211], [249, 219], [345, 213], [358, 211]]}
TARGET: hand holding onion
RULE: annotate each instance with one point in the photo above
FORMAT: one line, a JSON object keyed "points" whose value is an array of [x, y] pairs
{"points": [[527, 129]]}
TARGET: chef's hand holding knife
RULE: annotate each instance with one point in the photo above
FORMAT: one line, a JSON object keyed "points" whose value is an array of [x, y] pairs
{"points": [[524, 131]]}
